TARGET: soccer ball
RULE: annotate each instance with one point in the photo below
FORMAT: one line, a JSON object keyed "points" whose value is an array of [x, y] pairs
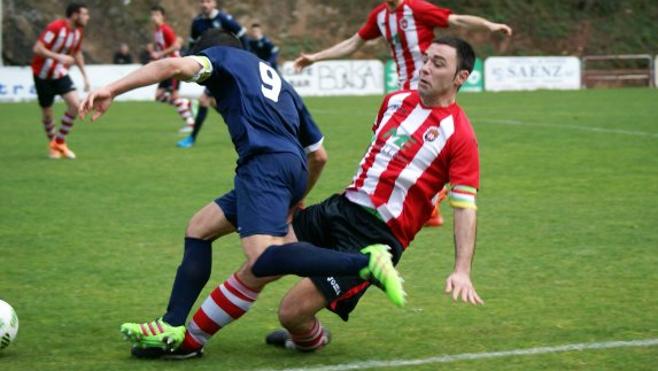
{"points": [[8, 324]]}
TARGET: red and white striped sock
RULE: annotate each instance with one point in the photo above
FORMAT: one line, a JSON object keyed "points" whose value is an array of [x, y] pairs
{"points": [[183, 106], [67, 124], [49, 127], [226, 303], [310, 340]]}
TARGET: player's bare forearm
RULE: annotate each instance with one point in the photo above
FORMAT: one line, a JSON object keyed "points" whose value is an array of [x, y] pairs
{"points": [[316, 162], [471, 22], [163, 69], [80, 62], [342, 49], [41, 50], [465, 231]]}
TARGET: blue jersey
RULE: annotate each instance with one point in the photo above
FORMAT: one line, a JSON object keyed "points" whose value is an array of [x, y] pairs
{"points": [[265, 50], [263, 112], [221, 21]]}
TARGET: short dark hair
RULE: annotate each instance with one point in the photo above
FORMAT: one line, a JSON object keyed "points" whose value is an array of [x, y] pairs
{"points": [[73, 8], [158, 8], [255, 24], [465, 53], [216, 37]]}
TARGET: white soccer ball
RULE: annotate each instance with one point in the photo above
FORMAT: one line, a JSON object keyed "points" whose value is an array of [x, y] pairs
{"points": [[8, 325]]}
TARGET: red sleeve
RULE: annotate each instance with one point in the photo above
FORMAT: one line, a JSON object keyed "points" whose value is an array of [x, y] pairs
{"points": [[464, 168], [49, 35], [169, 36], [370, 30], [430, 15]]}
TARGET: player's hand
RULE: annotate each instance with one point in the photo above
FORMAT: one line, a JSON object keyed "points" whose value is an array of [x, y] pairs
{"points": [[460, 286], [502, 28], [303, 61], [66, 60], [96, 103], [156, 55]]}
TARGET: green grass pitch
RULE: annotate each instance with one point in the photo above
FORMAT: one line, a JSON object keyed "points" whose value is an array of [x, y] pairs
{"points": [[567, 241]]}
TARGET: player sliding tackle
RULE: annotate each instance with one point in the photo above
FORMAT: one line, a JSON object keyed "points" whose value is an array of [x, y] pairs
{"points": [[272, 131]]}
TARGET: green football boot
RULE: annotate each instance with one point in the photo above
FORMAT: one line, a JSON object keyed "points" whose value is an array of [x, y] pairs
{"points": [[380, 269], [154, 334]]}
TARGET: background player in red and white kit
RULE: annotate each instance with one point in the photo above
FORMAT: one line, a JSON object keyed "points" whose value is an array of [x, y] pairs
{"points": [[408, 27], [422, 140], [167, 44], [57, 48]]}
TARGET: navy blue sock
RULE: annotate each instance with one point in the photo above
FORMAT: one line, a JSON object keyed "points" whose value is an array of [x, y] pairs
{"points": [[199, 119], [306, 260], [192, 275]]}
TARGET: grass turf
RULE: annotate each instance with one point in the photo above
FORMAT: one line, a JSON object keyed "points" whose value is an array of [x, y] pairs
{"points": [[567, 241]]}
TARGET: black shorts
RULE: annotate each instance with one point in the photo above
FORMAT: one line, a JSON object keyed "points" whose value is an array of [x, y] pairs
{"points": [[169, 85], [339, 224], [47, 89]]}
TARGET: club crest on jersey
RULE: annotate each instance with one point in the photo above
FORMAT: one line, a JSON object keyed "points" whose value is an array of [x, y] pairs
{"points": [[431, 134], [404, 24]]}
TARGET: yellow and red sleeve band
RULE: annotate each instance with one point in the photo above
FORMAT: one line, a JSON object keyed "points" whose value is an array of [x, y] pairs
{"points": [[462, 197]]}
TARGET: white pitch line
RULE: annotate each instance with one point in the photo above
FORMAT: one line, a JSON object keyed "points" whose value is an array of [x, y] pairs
{"points": [[575, 127], [476, 356]]}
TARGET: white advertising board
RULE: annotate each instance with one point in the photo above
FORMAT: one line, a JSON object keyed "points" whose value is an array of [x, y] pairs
{"points": [[17, 84], [343, 77], [531, 73]]}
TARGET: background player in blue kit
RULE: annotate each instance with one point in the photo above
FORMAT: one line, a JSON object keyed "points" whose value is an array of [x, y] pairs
{"points": [[270, 128], [263, 47], [209, 18]]}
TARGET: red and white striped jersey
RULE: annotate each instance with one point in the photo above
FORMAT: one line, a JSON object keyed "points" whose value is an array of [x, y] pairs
{"points": [[58, 37], [164, 37], [409, 30], [415, 151]]}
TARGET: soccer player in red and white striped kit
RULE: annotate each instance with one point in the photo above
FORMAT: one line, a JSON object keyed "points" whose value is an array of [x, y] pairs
{"points": [[422, 141], [166, 45], [57, 48], [408, 27]]}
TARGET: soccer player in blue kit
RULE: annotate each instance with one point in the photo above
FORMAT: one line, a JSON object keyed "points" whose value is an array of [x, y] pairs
{"points": [[209, 18], [270, 128]]}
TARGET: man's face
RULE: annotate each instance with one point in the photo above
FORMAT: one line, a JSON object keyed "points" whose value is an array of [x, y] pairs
{"points": [[207, 6], [256, 32], [81, 18], [157, 17], [439, 72]]}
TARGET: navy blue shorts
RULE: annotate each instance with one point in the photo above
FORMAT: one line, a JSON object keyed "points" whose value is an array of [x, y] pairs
{"points": [[339, 224], [265, 188]]}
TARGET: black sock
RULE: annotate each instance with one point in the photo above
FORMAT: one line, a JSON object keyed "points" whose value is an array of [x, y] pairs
{"points": [[192, 275], [198, 120], [306, 260]]}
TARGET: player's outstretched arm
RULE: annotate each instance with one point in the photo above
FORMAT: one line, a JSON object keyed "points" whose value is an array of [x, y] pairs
{"points": [[471, 22], [342, 49], [459, 282], [99, 101]]}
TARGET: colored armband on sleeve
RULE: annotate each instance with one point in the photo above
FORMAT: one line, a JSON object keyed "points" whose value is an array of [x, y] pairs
{"points": [[204, 72], [462, 197]]}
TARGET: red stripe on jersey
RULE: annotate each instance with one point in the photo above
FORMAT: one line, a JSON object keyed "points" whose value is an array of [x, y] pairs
{"points": [[376, 148], [223, 302], [408, 59], [205, 323], [399, 162]]}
